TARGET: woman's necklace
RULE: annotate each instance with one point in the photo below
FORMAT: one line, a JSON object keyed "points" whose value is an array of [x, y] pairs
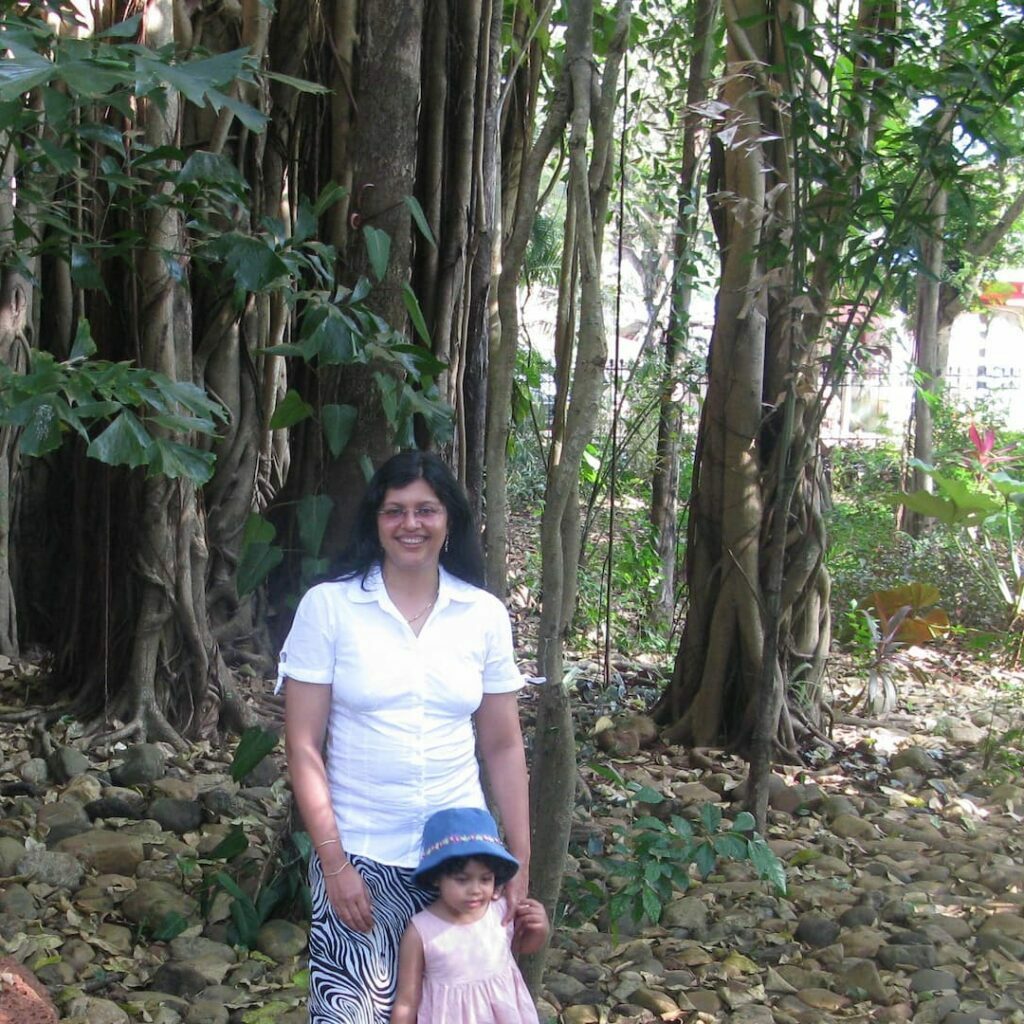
{"points": [[419, 615]]}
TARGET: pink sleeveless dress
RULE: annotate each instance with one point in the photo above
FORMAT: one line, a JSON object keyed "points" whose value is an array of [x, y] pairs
{"points": [[469, 975]]}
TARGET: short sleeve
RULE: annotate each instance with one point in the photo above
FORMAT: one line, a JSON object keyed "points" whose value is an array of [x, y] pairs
{"points": [[500, 672], [308, 651]]}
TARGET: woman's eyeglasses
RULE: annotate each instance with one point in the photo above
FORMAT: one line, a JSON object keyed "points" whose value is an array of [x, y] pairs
{"points": [[421, 513]]}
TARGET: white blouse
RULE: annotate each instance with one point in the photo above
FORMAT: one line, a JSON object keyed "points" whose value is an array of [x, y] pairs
{"points": [[400, 741]]}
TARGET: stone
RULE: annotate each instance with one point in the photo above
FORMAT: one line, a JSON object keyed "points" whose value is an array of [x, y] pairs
{"points": [[96, 1010], [705, 1001], [113, 938], [23, 1000], [281, 940], [863, 976], [60, 870], [917, 759], [179, 978], [207, 1011], [816, 930], [561, 987], [66, 763], [695, 793], [84, 789], [935, 1011], [849, 826], [77, 953], [823, 999], [34, 771], [176, 789], [581, 1015], [688, 913], [11, 852], [179, 816], [929, 980], [61, 812], [863, 914], [116, 853], [657, 1002], [112, 807], [1011, 925], [835, 806], [143, 764], [152, 901], [191, 947], [893, 957], [17, 901], [753, 1013]]}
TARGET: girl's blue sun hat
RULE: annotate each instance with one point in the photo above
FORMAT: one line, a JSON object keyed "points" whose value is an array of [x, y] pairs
{"points": [[460, 832]]}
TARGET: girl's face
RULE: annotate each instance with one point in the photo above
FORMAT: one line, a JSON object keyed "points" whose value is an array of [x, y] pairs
{"points": [[412, 524], [468, 892]]}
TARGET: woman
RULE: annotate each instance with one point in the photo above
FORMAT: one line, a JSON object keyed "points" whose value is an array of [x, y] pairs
{"points": [[396, 664]]}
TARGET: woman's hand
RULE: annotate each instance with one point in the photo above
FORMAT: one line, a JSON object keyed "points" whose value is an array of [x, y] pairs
{"points": [[350, 898], [531, 927]]}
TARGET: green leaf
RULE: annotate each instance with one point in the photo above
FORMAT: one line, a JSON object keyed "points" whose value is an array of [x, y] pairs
{"points": [[420, 218], [83, 345], [84, 271], [293, 409], [124, 443], [299, 84], [931, 505], [767, 865], [258, 530], [211, 168], [175, 460], [254, 745], [744, 822], [378, 249], [711, 816], [253, 263], [731, 846], [647, 795], [258, 561], [705, 858], [234, 843], [41, 433], [171, 925], [412, 305], [338, 422], [127, 29], [313, 513], [682, 826], [651, 904]]}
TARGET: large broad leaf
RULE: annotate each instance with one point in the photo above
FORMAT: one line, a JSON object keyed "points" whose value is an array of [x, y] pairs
{"points": [[42, 432], [931, 505], [378, 249], [314, 511], [123, 443], [234, 843], [83, 345], [22, 71], [254, 745], [254, 264], [768, 865], [214, 168], [338, 421], [293, 409], [257, 562], [412, 305], [175, 460], [420, 218]]}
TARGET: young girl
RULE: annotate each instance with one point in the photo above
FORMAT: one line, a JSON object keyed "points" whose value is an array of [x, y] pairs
{"points": [[455, 962]]}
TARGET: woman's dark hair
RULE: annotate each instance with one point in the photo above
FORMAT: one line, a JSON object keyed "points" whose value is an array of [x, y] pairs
{"points": [[461, 554], [502, 869]]}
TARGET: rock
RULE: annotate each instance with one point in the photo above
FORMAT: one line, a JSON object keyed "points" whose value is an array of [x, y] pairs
{"points": [[66, 763], [116, 853], [17, 901], [657, 1002], [848, 826], [816, 930], [207, 1011], [143, 764], [897, 912], [62, 812], [893, 957], [688, 913], [179, 816], [11, 852], [195, 946], [23, 1000], [862, 942], [916, 758], [35, 772], [113, 938], [935, 1011], [822, 999], [929, 980], [581, 1015], [705, 1001], [224, 803], [752, 1014], [863, 914], [112, 807], [61, 870], [77, 954], [176, 789], [695, 793], [561, 987], [834, 806], [152, 901], [281, 940], [1010, 925], [179, 978], [84, 789], [863, 976], [96, 1011]]}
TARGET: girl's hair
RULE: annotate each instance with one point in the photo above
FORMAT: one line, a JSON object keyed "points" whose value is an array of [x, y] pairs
{"points": [[461, 554], [502, 869]]}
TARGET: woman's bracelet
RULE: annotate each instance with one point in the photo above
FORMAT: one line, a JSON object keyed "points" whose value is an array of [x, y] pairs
{"points": [[331, 874], [326, 842]]}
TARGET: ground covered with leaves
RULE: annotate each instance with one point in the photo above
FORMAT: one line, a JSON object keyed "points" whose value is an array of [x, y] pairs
{"points": [[140, 884]]}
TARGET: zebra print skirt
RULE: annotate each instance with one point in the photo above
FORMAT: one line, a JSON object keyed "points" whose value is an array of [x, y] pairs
{"points": [[352, 975]]}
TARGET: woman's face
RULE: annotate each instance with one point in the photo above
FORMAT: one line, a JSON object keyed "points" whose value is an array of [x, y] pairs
{"points": [[412, 525]]}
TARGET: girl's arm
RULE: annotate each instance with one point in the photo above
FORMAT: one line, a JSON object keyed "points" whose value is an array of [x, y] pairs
{"points": [[307, 707], [531, 928], [500, 742], [410, 978]]}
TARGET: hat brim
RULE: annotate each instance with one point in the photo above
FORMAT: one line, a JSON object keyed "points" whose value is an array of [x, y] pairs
{"points": [[469, 848]]}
